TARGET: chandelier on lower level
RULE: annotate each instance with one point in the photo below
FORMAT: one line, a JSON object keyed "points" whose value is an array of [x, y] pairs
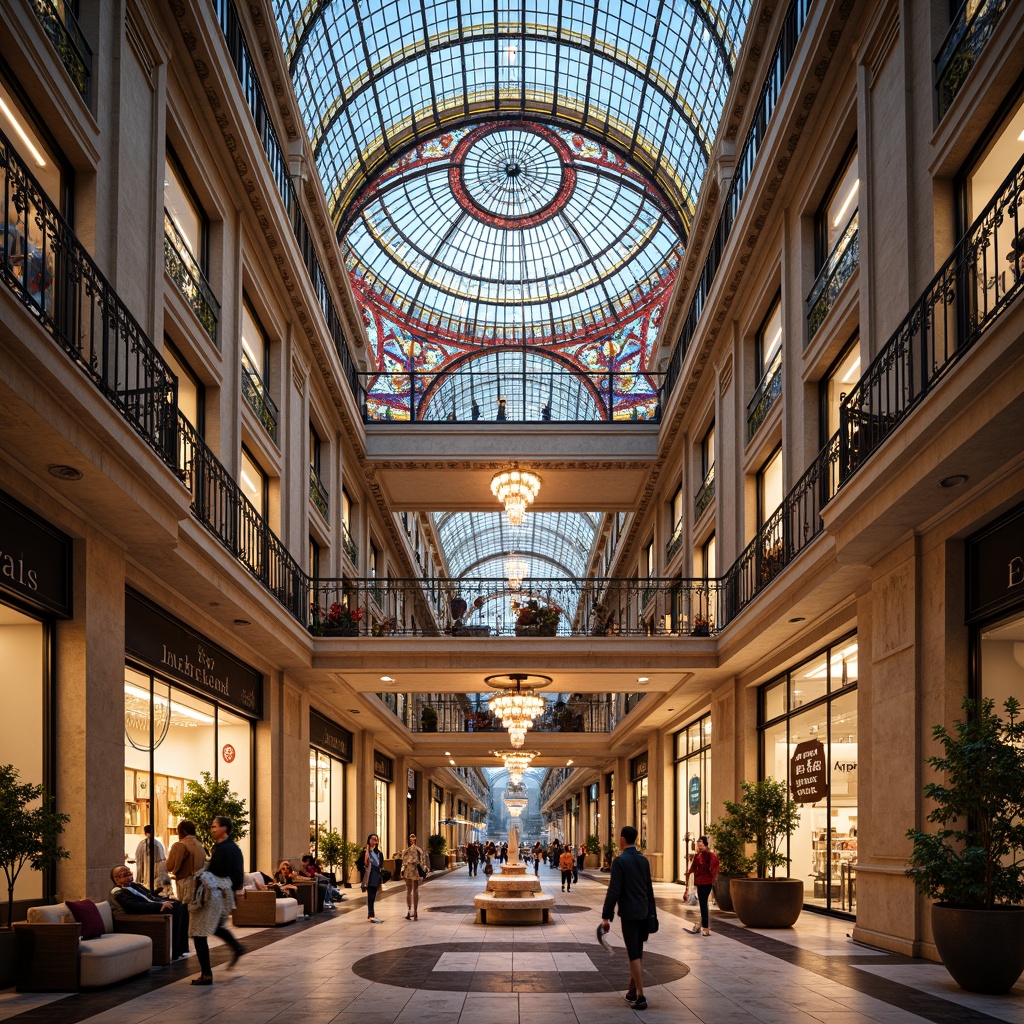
{"points": [[515, 488], [516, 762], [516, 568], [516, 800], [518, 705]]}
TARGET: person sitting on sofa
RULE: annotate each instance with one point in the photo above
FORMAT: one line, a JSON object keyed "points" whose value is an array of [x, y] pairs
{"points": [[310, 869], [264, 881], [129, 897]]}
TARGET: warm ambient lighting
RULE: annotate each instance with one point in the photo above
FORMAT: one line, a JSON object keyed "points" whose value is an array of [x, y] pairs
{"points": [[518, 706], [516, 800], [177, 708], [22, 134], [515, 489], [516, 762], [516, 568], [846, 202]]}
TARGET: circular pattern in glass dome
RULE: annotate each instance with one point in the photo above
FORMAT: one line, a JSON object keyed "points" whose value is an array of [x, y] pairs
{"points": [[512, 174]]}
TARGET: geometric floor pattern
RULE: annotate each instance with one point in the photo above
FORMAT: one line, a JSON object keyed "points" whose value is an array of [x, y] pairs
{"points": [[446, 968]]}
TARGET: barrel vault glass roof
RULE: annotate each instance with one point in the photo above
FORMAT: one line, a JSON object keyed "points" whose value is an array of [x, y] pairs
{"points": [[510, 178]]}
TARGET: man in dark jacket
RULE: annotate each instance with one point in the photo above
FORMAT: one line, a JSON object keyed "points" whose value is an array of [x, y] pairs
{"points": [[473, 857], [630, 887], [226, 861], [130, 897]]}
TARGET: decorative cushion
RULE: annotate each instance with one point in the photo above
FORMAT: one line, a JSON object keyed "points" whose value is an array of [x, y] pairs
{"points": [[86, 914]]}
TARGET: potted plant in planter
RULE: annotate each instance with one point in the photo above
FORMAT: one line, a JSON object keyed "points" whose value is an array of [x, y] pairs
{"points": [[729, 846], [609, 850], [593, 845], [436, 847], [973, 864], [337, 620], [766, 817], [205, 800], [536, 619], [428, 719], [28, 835]]}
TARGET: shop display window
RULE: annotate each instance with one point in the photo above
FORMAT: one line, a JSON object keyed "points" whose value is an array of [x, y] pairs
{"points": [[816, 702], [1002, 660], [171, 737], [23, 680], [381, 803], [326, 795], [692, 747]]}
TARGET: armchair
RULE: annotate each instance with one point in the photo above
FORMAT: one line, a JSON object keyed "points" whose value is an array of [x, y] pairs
{"points": [[260, 908]]}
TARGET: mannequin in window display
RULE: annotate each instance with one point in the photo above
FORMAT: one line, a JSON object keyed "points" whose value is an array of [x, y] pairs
{"points": [[147, 848]]}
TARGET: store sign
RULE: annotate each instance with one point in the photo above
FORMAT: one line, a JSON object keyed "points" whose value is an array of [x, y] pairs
{"points": [[174, 650], [228, 753], [638, 768], [383, 766], [808, 772], [35, 559], [329, 737], [695, 795], [995, 566], [436, 793]]}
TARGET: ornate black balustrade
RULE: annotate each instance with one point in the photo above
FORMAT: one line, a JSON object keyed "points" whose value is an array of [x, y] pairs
{"points": [[318, 492], [478, 607], [675, 542], [62, 30], [768, 392], [469, 713], [982, 275], [184, 270], [526, 395], [842, 261], [258, 397], [964, 41], [706, 494], [47, 268]]}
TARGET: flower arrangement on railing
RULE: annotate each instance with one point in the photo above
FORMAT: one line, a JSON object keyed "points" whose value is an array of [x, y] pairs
{"points": [[385, 627], [536, 619], [702, 626], [337, 620]]}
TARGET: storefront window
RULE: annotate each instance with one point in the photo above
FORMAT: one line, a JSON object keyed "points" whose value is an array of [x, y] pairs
{"points": [[171, 737], [22, 739], [815, 703], [326, 795], [640, 811], [693, 788], [380, 814], [1002, 660]]}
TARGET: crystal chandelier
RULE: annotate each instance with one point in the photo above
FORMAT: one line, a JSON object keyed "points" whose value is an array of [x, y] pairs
{"points": [[516, 568], [515, 488], [516, 800], [516, 762], [518, 706]]}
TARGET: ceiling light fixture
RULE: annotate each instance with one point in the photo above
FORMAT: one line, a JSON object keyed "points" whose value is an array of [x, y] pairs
{"points": [[953, 481], [518, 706], [516, 762], [516, 489], [64, 472], [516, 568]]}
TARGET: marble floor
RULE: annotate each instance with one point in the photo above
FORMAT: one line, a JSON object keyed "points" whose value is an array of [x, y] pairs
{"points": [[447, 969]]}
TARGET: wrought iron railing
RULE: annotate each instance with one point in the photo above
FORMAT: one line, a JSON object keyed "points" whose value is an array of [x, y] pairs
{"points": [[256, 394], [767, 393], [184, 270], [706, 494], [771, 89], [469, 713], [318, 492], [842, 261], [245, 69], [61, 28], [349, 544], [675, 542], [964, 42], [982, 275], [482, 607], [47, 268], [219, 504], [503, 394]]}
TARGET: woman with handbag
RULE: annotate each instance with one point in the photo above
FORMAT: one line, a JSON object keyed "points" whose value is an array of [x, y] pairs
{"points": [[373, 866], [704, 868], [414, 869]]}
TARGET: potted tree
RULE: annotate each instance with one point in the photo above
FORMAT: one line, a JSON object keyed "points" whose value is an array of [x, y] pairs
{"points": [[208, 799], [766, 817], [973, 863], [609, 850], [436, 847], [593, 845], [28, 835], [329, 847], [428, 719], [729, 846]]}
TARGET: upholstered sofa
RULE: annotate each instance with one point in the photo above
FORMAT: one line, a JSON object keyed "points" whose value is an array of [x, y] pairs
{"points": [[53, 957], [261, 907]]}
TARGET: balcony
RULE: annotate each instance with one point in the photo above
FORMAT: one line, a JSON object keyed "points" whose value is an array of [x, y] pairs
{"points": [[258, 397], [706, 494], [349, 544], [185, 272], [960, 50], [62, 30], [483, 607], [766, 395], [317, 492], [48, 270], [675, 542], [468, 713], [842, 261]]}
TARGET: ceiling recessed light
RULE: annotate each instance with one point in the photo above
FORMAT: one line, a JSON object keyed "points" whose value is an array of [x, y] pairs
{"points": [[451, 760], [953, 481], [447, 753], [64, 472], [386, 679], [242, 622], [215, 604], [797, 618], [569, 762], [643, 679], [353, 711]]}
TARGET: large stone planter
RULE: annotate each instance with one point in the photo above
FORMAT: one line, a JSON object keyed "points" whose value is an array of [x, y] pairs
{"points": [[983, 950], [438, 861], [767, 902], [592, 861], [723, 892]]}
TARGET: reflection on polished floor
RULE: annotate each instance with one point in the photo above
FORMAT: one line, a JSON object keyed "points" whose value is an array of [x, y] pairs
{"points": [[447, 969]]}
